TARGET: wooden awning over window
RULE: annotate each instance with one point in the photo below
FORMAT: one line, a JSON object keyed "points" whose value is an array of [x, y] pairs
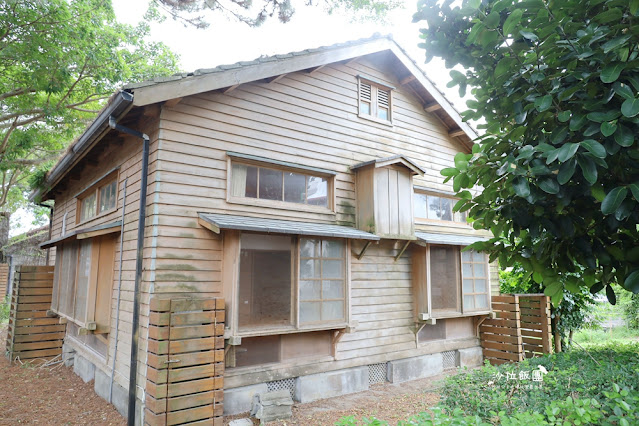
{"points": [[83, 233], [448, 239], [216, 222]]}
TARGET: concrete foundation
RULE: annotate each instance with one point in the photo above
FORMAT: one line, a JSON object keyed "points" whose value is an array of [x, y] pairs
{"points": [[334, 383], [83, 368], [240, 400], [403, 370], [471, 357], [68, 354]]}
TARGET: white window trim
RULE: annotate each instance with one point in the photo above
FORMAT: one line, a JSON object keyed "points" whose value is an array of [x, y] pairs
{"points": [[375, 86], [440, 222]]}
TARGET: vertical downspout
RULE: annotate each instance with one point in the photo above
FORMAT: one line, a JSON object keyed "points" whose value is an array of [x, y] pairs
{"points": [[117, 309], [135, 332]]}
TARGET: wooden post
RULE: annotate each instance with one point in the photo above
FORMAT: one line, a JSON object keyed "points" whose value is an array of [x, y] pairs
{"points": [[545, 323], [518, 335]]}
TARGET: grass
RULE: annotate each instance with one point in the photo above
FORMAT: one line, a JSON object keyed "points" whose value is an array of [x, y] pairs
{"points": [[591, 338], [4, 311]]}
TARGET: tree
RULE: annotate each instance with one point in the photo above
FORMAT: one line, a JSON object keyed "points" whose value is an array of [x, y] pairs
{"points": [[190, 11], [59, 61], [557, 85]]}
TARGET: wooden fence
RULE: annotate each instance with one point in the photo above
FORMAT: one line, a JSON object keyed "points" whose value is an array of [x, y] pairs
{"points": [[521, 329], [32, 334], [185, 362], [4, 280]]}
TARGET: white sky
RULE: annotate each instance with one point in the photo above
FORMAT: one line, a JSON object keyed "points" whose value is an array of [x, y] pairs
{"points": [[227, 41]]}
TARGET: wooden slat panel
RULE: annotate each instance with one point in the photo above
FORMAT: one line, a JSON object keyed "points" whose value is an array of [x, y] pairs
{"points": [[502, 355], [38, 337]]}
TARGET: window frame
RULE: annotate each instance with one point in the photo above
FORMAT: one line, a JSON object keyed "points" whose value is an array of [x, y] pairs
{"points": [[424, 289], [425, 220], [295, 326], [376, 86], [280, 204], [94, 189]]}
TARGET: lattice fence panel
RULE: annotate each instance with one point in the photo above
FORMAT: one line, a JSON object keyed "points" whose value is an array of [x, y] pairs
{"points": [[185, 374], [377, 373], [32, 334], [284, 384], [450, 359]]}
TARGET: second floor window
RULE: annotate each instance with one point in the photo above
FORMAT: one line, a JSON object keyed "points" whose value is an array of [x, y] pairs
{"points": [[249, 181], [436, 207], [374, 101], [98, 199]]}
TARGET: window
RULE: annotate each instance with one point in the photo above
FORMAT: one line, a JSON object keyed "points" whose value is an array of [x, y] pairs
{"points": [[83, 283], [98, 199], [436, 207], [265, 183], [282, 286], [374, 101], [451, 282]]}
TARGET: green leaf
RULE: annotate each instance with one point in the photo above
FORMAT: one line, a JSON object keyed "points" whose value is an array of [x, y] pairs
{"points": [[596, 287], [630, 107], [610, 294], [503, 66], [594, 147], [537, 277], [512, 21], [474, 4], [567, 151], [623, 90], [611, 72], [521, 187], [598, 193], [449, 171], [461, 162], [543, 103], [608, 128], [460, 181], [631, 282], [588, 168], [614, 43], [529, 35], [563, 116], [492, 20], [600, 117], [566, 171], [624, 136], [549, 185], [613, 200], [634, 7]]}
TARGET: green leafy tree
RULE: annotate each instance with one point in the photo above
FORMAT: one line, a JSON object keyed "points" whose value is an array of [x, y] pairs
{"points": [[59, 61], [193, 12], [558, 166]]}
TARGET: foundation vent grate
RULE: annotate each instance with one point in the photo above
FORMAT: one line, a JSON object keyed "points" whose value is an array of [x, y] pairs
{"points": [[377, 373], [450, 359], [288, 384]]}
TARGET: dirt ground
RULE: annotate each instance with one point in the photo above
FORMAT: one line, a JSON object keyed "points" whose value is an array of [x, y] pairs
{"points": [[56, 396]]}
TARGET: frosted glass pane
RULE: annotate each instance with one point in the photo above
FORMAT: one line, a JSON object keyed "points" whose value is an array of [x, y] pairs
{"points": [[332, 289], [309, 248], [480, 286], [434, 211], [310, 290], [309, 268], [479, 270], [332, 248], [270, 184], [478, 257], [467, 269], [466, 256], [365, 108], [468, 286], [108, 196], [294, 188], [382, 113], [447, 209], [481, 301], [88, 207], [317, 191], [459, 216], [309, 312], [332, 311], [332, 269], [420, 205], [469, 302], [244, 181], [82, 282]]}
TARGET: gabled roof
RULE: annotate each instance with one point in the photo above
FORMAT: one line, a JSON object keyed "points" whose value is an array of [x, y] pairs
{"points": [[394, 160], [267, 68]]}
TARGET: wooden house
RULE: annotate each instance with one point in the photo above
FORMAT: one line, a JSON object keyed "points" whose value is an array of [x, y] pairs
{"points": [[303, 188]]}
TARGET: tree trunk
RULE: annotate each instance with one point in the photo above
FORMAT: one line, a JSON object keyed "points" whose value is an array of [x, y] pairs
{"points": [[556, 334], [4, 234]]}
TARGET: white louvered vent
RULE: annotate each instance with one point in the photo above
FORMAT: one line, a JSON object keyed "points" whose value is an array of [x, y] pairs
{"points": [[382, 98], [365, 91]]}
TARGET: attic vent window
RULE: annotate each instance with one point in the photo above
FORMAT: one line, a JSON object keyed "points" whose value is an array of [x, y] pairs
{"points": [[375, 100]]}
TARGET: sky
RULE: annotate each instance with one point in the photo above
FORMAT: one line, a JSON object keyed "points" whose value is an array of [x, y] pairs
{"points": [[227, 41]]}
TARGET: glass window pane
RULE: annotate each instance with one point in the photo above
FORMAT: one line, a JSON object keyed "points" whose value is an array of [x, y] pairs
{"points": [[332, 248], [479, 270], [434, 210], [365, 108], [469, 302], [459, 216], [332, 289], [265, 281], [382, 113], [82, 281], [332, 269], [468, 286], [294, 188], [270, 184], [88, 206], [466, 256], [333, 310], [447, 209], [478, 257], [480, 286], [443, 275], [309, 268], [310, 290], [309, 312], [467, 270], [317, 191], [108, 196], [309, 248], [244, 181], [481, 301], [419, 205]]}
